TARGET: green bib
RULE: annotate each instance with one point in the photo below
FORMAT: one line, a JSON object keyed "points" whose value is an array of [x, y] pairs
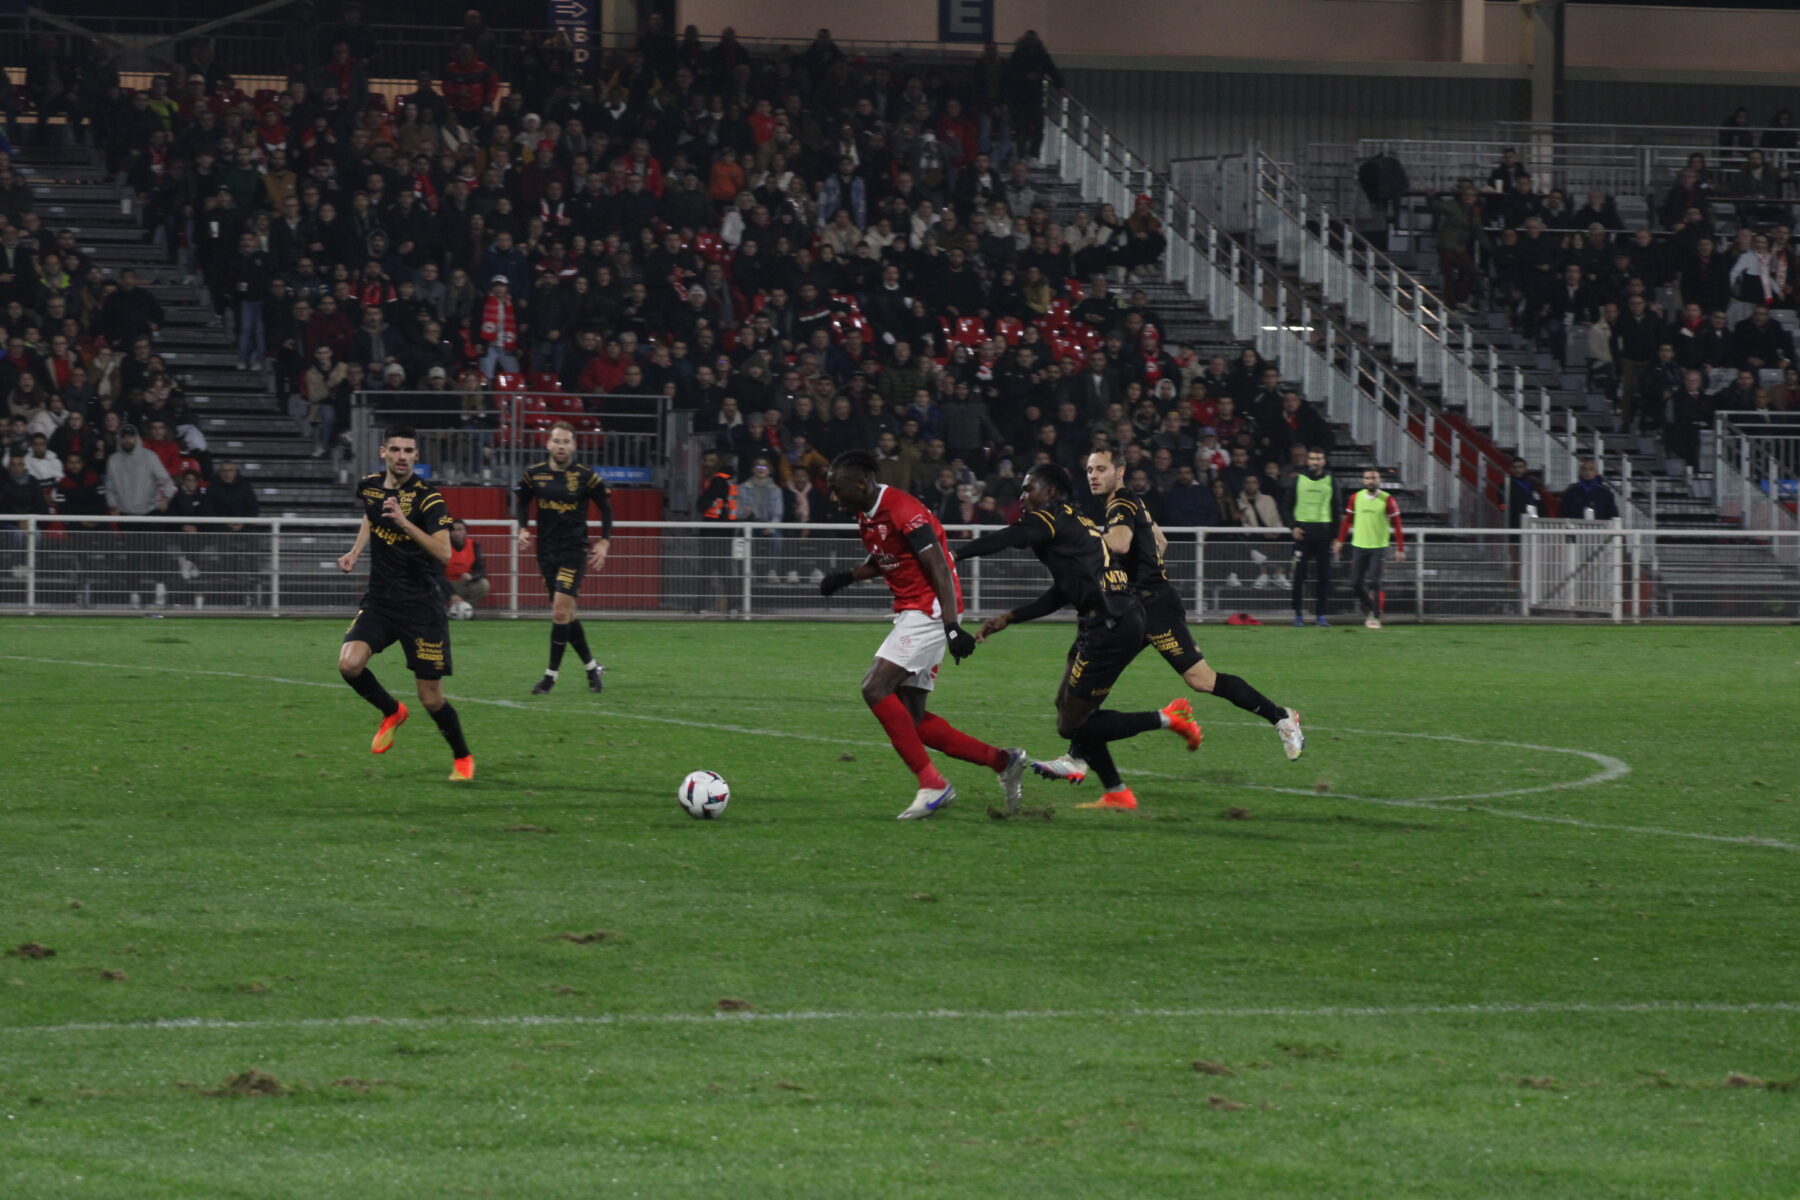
{"points": [[1312, 499], [1370, 530]]}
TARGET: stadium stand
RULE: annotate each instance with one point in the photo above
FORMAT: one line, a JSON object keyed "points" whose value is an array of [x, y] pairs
{"points": [[805, 252]]}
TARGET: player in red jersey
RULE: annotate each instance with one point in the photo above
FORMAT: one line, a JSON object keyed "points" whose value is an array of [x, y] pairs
{"points": [[907, 549]]}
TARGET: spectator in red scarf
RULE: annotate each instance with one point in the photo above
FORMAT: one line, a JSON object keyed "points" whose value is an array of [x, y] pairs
{"points": [[499, 330]]}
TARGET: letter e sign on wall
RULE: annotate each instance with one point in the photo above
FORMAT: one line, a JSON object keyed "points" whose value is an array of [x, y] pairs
{"points": [[965, 20]]}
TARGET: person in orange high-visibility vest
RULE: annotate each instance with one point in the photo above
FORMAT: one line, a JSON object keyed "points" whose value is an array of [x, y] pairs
{"points": [[718, 506]]}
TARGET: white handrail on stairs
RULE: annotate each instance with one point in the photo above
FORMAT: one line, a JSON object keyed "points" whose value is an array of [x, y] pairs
{"points": [[1400, 312], [1334, 371]]}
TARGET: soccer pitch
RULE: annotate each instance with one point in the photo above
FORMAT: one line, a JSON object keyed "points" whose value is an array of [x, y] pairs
{"points": [[1519, 924]]}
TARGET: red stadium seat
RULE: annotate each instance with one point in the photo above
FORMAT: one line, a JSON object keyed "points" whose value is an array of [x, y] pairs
{"points": [[545, 381], [1077, 293], [1059, 309], [1010, 328], [506, 381], [969, 331]]}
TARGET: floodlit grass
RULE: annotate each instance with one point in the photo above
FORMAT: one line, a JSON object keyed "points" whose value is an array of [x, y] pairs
{"points": [[1275, 980]]}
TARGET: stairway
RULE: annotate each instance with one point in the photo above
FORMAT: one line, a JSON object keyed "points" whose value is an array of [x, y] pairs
{"points": [[1668, 492], [238, 411], [1189, 324]]}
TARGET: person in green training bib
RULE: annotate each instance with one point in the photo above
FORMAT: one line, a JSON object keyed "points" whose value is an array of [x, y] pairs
{"points": [[1312, 499], [1371, 523]]}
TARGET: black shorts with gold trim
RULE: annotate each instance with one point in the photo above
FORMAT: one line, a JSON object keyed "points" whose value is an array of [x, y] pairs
{"points": [[563, 575], [1104, 646], [1165, 627], [423, 633]]}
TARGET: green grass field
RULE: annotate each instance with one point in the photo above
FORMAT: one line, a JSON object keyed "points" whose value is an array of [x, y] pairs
{"points": [[1521, 923]]}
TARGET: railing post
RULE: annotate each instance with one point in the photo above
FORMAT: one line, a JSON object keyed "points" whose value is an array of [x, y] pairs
{"points": [[744, 544], [275, 568], [1419, 576], [31, 565], [512, 569]]}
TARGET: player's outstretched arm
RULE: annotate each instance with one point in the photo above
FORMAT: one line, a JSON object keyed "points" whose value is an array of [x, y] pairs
{"points": [[347, 563], [1011, 538], [837, 581]]}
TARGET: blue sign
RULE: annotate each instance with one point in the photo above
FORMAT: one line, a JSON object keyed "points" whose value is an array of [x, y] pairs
{"points": [[965, 20], [575, 20], [626, 474]]}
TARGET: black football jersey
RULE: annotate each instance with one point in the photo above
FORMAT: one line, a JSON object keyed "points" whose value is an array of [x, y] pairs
{"points": [[562, 497], [402, 572], [1073, 548], [1144, 562]]}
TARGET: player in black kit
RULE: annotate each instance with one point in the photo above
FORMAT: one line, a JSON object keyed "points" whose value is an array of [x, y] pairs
{"points": [[1109, 634], [407, 525], [563, 489], [1135, 541]]}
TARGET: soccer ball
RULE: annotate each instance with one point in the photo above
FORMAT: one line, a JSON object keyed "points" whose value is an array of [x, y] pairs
{"points": [[461, 610], [703, 795]]}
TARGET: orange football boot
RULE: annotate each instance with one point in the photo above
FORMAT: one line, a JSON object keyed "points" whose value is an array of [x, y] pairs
{"points": [[384, 735], [1122, 800], [1182, 723], [463, 769]]}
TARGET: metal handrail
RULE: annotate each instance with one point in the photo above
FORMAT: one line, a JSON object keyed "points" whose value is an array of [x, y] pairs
{"points": [[1382, 409], [1756, 470], [1419, 327]]}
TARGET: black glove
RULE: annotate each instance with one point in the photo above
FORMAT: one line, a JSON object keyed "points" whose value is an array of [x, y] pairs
{"points": [[836, 582], [962, 642]]}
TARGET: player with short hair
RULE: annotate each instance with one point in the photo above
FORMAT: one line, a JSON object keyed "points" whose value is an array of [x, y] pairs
{"points": [[407, 523], [1137, 543], [563, 489], [907, 549], [1110, 634], [1371, 523], [1312, 499]]}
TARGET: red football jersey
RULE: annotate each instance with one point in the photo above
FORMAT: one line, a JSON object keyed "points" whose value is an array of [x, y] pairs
{"points": [[884, 529]]}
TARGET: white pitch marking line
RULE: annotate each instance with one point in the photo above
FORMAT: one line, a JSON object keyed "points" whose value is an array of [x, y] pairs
{"points": [[1323, 1012], [1611, 768]]}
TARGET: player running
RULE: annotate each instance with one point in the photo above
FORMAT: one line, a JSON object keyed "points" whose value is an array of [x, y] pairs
{"points": [[408, 524], [1137, 544], [1110, 633], [563, 489], [906, 548], [1371, 522]]}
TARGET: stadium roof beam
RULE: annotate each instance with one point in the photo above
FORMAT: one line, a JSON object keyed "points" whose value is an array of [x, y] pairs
{"points": [[144, 47]]}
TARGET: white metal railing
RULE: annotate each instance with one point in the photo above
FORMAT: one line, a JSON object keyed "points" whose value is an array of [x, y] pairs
{"points": [[1756, 470], [1419, 328], [282, 567], [1355, 387], [1627, 167]]}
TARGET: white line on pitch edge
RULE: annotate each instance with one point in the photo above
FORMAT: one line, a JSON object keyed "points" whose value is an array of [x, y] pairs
{"points": [[1322, 1012]]}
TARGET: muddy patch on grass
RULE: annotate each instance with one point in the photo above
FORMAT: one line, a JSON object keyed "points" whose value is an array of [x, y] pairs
{"points": [[1212, 1068], [586, 939], [1025, 812], [1223, 1104], [732, 1004], [110, 976], [31, 950], [251, 1084], [527, 829]]}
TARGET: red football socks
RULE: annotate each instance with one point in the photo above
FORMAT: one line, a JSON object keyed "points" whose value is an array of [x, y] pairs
{"points": [[940, 734], [905, 738]]}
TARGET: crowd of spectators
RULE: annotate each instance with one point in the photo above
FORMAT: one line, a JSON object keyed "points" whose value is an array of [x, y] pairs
{"points": [[807, 251], [1675, 319]]}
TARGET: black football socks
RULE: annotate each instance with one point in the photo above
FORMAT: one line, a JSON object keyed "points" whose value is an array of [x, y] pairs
{"points": [[369, 688], [1234, 689], [450, 725], [578, 640], [559, 642]]}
